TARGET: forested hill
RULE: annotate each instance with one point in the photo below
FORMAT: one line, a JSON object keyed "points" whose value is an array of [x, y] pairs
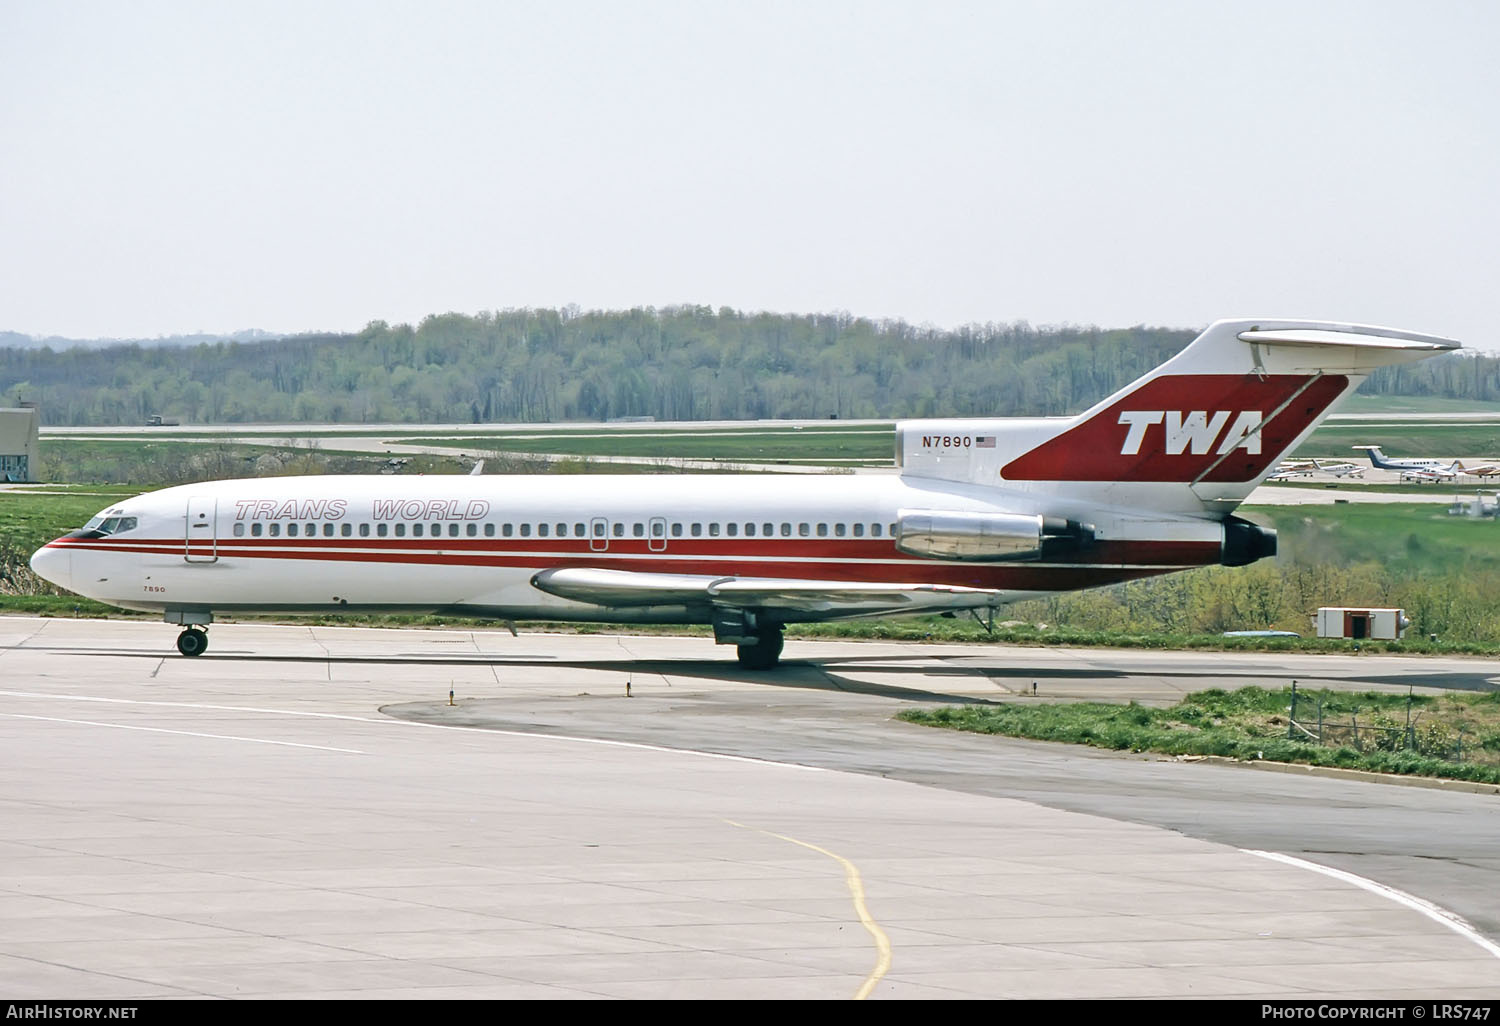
{"points": [[680, 363]]}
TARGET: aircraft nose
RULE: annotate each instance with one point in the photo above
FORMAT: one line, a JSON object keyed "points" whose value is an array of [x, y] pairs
{"points": [[53, 564]]}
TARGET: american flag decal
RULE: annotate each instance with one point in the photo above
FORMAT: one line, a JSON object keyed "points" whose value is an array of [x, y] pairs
{"points": [[984, 441]]}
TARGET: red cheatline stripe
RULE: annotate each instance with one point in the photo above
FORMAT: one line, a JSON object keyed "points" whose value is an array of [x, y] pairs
{"points": [[1011, 576], [448, 551]]}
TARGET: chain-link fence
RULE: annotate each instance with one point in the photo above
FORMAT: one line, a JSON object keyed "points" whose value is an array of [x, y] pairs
{"points": [[1378, 732]]}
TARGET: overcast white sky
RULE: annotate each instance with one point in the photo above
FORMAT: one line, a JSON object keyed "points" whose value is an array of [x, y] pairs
{"points": [[179, 166]]}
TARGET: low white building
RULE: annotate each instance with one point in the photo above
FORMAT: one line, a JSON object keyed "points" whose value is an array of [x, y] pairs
{"points": [[1350, 622], [20, 450]]}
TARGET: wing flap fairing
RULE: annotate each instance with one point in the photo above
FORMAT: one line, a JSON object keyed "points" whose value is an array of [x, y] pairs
{"points": [[623, 588]]}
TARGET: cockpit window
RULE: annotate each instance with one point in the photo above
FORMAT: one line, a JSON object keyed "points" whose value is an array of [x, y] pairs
{"points": [[106, 524]]}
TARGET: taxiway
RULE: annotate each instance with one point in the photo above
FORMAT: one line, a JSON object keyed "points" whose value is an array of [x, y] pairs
{"points": [[302, 813]]}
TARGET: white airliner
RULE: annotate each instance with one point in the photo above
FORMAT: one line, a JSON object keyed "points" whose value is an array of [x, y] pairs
{"points": [[982, 513]]}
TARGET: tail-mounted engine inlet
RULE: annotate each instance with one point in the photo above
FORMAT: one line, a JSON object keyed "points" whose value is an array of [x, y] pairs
{"points": [[989, 537]]}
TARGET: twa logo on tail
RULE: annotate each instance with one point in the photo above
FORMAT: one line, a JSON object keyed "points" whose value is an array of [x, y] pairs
{"points": [[1196, 430], [1243, 424]]}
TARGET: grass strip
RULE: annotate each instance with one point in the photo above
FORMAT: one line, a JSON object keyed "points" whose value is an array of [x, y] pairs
{"points": [[1455, 736]]}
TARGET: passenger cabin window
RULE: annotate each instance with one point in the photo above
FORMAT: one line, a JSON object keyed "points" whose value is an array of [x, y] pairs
{"points": [[473, 530], [579, 531], [562, 530], [676, 530], [364, 530], [416, 530], [275, 530], [786, 530], [525, 530], [697, 531], [732, 529], [838, 530], [859, 530], [639, 530], [381, 529], [542, 530], [347, 530], [291, 530], [239, 530], [804, 529], [257, 529], [713, 529], [327, 530], [749, 530], [489, 530], [822, 530]]}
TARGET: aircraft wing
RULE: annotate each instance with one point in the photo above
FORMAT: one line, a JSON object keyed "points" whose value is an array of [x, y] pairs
{"points": [[838, 598], [817, 599]]}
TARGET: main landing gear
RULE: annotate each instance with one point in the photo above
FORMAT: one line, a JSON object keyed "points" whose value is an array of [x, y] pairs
{"points": [[763, 652], [757, 638], [193, 641]]}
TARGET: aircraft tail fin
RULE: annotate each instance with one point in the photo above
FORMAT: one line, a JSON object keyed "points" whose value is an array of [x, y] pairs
{"points": [[1225, 409], [1213, 420]]}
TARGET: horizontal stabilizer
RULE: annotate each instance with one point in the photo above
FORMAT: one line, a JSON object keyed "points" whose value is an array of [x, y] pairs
{"points": [[1376, 338]]}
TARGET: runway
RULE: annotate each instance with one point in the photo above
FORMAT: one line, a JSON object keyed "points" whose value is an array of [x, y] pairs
{"points": [[302, 813]]}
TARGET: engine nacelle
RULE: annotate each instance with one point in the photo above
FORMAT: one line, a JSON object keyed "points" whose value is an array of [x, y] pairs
{"points": [[987, 537], [1245, 542]]}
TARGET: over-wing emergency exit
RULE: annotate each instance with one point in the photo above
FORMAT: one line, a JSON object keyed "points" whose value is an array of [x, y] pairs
{"points": [[984, 512]]}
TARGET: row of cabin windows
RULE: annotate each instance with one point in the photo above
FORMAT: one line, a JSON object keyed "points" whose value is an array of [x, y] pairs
{"points": [[657, 529]]}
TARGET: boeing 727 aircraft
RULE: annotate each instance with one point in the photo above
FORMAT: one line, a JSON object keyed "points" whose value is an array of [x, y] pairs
{"points": [[983, 513]]}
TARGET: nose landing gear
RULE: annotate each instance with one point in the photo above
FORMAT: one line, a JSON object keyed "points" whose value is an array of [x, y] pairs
{"points": [[193, 641]]}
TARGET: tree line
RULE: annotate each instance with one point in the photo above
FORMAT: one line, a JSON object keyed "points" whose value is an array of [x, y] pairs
{"points": [[677, 363]]}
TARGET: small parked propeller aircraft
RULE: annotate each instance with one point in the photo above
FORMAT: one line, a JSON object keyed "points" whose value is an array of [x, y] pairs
{"points": [[1433, 469], [1340, 468]]}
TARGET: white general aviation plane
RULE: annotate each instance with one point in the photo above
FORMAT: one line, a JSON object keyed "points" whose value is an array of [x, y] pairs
{"points": [[1339, 468], [1290, 470], [982, 513], [1412, 468]]}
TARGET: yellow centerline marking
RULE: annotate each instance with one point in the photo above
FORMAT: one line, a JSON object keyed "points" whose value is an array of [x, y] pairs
{"points": [[857, 893]]}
